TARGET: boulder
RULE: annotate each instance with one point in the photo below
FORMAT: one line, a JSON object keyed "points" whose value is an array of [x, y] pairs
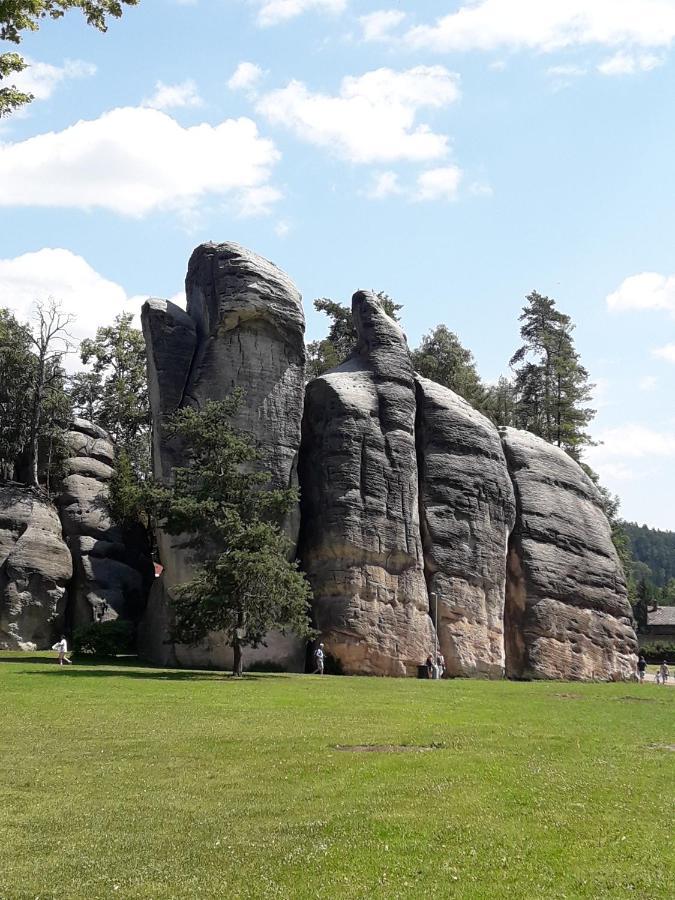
{"points": [[112, 567], [35, 567], [467, 512], [360, 543], [244, 328], [567, 614]]}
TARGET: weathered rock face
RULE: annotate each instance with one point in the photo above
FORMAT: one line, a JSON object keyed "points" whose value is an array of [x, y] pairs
{"points": [[112, 574], [35, 567], [360, 543], [244, 328], [467, 511], [567, 615]]}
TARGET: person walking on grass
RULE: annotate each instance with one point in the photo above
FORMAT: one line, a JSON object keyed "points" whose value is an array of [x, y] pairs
{"points": [[664, 672], [642, 666], [319, 657], [62, 648]]}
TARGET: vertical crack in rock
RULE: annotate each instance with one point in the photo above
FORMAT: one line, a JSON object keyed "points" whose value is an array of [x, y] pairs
{"points": [[568, 613], [244, 327], [467, 512], [360, 542]]}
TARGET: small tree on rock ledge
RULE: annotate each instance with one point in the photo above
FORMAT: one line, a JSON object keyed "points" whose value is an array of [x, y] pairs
{"points": [[244, 585]]}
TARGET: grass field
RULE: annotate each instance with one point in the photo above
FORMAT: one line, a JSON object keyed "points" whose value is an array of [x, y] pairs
{"points": [[130, 782]]}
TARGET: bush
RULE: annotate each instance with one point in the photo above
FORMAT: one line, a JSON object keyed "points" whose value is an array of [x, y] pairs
{"points": [[104, 639], [657, 651]]}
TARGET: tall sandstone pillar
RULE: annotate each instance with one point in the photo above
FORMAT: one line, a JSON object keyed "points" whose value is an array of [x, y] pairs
{"points": [[467, 511], [567, 613], [360, 544], [243, 328]]}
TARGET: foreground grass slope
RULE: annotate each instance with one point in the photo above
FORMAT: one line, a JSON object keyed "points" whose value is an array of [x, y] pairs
{"points": [[131, 782]]}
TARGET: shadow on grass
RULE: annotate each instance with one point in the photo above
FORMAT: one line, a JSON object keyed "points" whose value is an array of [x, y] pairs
{"points": [[107, 671]]}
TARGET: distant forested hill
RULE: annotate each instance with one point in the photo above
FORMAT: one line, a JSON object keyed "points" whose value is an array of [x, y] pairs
{"points": [[652, 549]]}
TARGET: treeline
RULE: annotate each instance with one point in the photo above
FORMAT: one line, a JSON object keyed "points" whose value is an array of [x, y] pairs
{"points": [[38, 398], [653, 561], [547, 391]]}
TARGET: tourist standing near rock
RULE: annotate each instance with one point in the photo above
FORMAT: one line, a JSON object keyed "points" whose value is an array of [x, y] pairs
{"points": [[642, 665], [62, 648], [319, 657]]}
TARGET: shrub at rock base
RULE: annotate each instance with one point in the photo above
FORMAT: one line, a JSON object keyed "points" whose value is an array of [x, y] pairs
{"points": [[105, 639]]}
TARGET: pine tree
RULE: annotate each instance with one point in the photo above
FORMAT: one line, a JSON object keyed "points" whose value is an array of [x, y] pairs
{"points": [[244, 585], [551, 384], [442, 358]]}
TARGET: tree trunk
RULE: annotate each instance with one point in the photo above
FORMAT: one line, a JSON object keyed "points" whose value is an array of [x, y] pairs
{"points": [[237, 669], [33, 450]]}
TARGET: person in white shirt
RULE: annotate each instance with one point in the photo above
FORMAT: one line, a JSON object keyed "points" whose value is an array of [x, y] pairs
{"points": [[62, 648], [319, 657]]}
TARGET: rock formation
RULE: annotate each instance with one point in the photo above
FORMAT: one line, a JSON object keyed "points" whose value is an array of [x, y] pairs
{"points": [[361, 546], [35, 567], [567, 615], [467, 512], [112, 571], [244, 328], [409, 496]]}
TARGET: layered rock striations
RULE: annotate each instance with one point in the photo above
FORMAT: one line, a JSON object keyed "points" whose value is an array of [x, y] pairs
{"points": [[467, 511], [413, 506], [361, 546], [112, 569], [243, 329], [567, 614], [35, 568]]}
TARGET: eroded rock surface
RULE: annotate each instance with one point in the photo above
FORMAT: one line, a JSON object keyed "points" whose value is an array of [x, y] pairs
{"points": [[567, 614], [244, 328], [467, 511], [112, 571], [360, 544], [35, 567]]}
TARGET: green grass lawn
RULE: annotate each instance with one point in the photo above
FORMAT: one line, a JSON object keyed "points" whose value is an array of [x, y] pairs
{"points": [[133, 782]]}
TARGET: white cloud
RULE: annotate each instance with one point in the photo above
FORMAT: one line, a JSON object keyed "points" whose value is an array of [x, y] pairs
{"points": [[169, 96], [41, 79], [546, 25], [135, 160], [666, 352], [372, 119], [648, 290], [438, 184], [566, 71], [245, 77], [633, 441], [384, 184], [624, 63], [648, 383], [272, 12], [282, 228], [54, 272], [377, 26]]}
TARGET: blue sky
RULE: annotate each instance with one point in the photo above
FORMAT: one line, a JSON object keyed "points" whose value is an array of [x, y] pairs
{"points": [[455, 154]]}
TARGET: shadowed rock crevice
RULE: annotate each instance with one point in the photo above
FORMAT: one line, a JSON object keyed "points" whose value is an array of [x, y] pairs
{"points": [[112, 569]]}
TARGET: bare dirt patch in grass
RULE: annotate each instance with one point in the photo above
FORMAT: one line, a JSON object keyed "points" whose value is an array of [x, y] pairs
{"points": [[388, 748]]}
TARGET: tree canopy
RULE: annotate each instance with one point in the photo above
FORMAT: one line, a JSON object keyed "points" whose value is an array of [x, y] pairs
{"points": [[442, 358], [341, 339], [20, 16], [552, 386], [245, 584]]}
